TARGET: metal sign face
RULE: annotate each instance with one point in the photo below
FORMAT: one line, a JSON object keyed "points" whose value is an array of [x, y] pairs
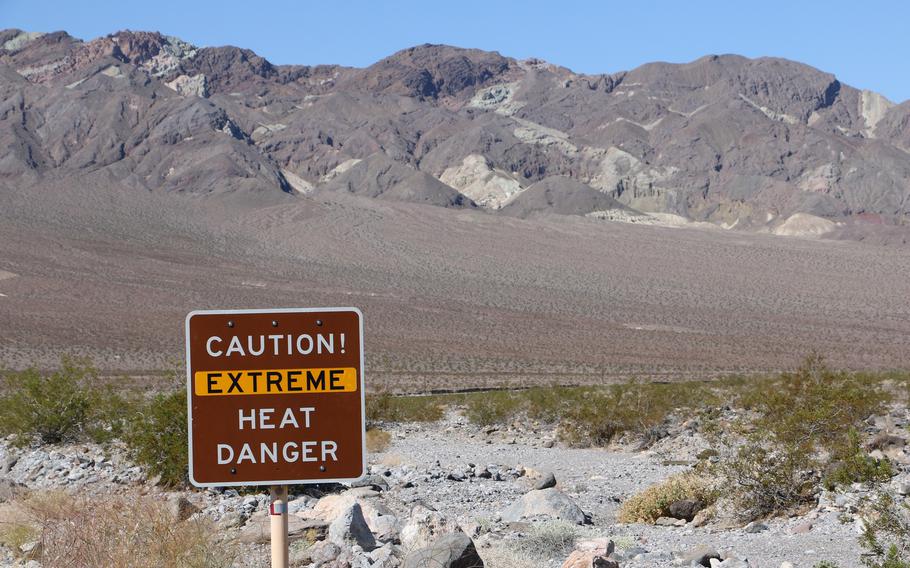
{"points": [[275, 397]]}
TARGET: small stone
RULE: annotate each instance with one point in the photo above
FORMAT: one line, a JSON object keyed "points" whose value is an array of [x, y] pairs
{"points": [[756, 527], [685, 509], [180, 508], [700, 555], [546, 481], [801, 528]]}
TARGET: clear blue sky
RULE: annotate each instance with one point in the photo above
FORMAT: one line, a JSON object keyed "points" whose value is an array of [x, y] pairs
{"points": [[863, 43]]}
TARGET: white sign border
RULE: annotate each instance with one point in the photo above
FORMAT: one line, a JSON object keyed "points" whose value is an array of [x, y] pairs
{"points": [[189, 399]]}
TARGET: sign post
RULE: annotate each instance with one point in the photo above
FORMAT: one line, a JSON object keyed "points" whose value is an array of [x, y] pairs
{"points": [[275, 397]]}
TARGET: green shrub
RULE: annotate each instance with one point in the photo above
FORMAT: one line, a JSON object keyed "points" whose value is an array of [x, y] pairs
{"points": [[156, 436], [384, 407], [492, 407], [853, 465], [654, 502], [814, 408], [804, 422], [61, 406], [886, 536], [763, 481]]}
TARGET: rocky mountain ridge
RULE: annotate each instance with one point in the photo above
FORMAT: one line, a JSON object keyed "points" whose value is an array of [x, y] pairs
{"points": [[756, 144]]}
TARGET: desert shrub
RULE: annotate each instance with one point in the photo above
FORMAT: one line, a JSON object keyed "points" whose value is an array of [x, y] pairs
{"points": [[851, 464], [825, 564], [156, 437], [886, 536], [801, 423], [377, 440], [763, 481], [384, 407], [600, 415], [654, 502], [120, 531], [814, 407], [60, 406], [551, 539], [502, 555], [492, 407], [14, 534]]}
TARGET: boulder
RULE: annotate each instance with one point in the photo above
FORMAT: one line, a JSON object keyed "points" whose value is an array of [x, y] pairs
{"points": [[424, 526], [551, 503], [455, 550], [329, 507], [685, 509], [350, 528]]}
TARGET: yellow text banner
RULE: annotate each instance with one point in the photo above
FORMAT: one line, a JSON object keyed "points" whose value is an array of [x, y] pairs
{"points": [[275, 381]]}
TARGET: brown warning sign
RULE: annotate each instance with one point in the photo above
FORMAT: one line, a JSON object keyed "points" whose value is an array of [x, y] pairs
{"points": [[275, 396]]}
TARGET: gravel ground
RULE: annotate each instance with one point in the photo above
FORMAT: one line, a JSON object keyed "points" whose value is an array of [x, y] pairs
{"points": [[438, 465], [599, 480]]}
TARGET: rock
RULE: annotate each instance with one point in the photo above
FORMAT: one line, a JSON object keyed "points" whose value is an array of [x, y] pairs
{"points": [[701, 518], [883, 441], [232, 519], [454, 550], [903, 488], [602, 546], [786, 565], [323, 552], [30, 549], [729, 563], [424, 525], [9, 489], [801, 528], [666, 522], [756, 527], [550, 503], [384, 557], [581, 559], [330, 507], [700, 556], [258, 531], [180, 508], [350, 527], [685, 509], [546, 481]]}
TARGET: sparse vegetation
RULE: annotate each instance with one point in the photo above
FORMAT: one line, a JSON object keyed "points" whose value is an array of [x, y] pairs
{"points": [[550, 539], [654, 502], [377, 440], [886, 536], [384, 407], [117, 531]]}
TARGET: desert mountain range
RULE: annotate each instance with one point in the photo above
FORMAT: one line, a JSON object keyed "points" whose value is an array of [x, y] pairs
{"points": [[499, 222], [736, 142]]}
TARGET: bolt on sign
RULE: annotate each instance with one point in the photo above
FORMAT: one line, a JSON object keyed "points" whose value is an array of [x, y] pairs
{"points": [[275, 396]]}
